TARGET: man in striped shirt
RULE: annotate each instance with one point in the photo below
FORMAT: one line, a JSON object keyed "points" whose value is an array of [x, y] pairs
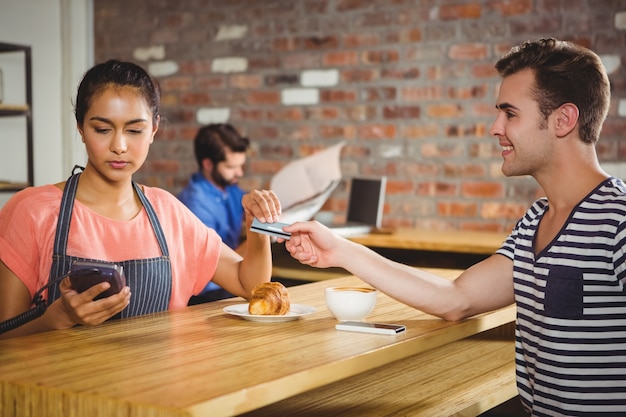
{"points": [[564, 264]]}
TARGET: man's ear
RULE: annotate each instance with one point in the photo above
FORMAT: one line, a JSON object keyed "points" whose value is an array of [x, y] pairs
{"points": [[566, 119], [207, 165]]}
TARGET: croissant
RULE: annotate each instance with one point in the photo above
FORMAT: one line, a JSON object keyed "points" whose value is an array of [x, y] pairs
{"points": [[269, 298]]}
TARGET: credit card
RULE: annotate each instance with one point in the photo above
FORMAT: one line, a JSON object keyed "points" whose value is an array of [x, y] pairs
{"points": [[271, 229]]}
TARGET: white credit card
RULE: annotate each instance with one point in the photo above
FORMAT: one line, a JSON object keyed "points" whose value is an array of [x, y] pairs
{"points": [[365, 327], [271, 229]]}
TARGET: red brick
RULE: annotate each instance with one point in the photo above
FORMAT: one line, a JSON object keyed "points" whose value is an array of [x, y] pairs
{"points": [[485, 150], [263, 62], [265, 166], [420, 169], [164, 166], [405, 36], [202, 66], [283, 44], [360, 113], [431, 92], [401, 74], [437, 189], [484, 71], [464, 170], [442, 150], [368, 20], [474, 130], [181, 83], [399, 187], [266, 131], [245, 81], [483, 189], [459, 11], [282, 79], [446, 72], [509, 211], [378, 131], [379, 93], [347, 5], [250, 115], [210, 82], [179, 115], [276, 150], [187, 133], [444, 110], [285, 114], [320, 42], [468, 51], [421, 131], [264, 97], [337, 132], [195, 99], [401, 112], [341, 58], [298, 133], [322, 113], [360, 40], [337, 96], [359, 75], [475, 91], [512, 8], [456, 209], [379, 57], [169, 100], [304, 60], [484, 109]]}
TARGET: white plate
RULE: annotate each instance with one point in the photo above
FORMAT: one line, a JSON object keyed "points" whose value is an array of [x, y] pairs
{"points": [[295, 312]]}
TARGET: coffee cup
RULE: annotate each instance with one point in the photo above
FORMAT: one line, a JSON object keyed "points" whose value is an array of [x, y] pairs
{"points": [[350, 303]]}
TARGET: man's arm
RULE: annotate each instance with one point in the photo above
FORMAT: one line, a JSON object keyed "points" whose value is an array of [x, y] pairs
{"points": [[485, 286]]}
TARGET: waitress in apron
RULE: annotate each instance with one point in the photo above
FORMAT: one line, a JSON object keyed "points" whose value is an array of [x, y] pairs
{"points": [[102, 215]]}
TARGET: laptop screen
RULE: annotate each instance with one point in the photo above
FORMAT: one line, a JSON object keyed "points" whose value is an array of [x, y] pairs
{"points": [[366, 201]]}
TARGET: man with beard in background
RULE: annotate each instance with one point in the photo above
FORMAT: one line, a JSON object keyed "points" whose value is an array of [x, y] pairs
{"points": [[213, 194]]}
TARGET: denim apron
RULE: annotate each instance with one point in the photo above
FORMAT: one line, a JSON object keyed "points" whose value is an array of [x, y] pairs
{"points": [[150, 280]]}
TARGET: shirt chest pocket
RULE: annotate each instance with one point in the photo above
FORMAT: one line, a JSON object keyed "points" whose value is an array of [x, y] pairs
{"points": [[564, 293]]}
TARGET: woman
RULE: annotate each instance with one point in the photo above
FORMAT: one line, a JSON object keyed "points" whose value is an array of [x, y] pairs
{"points": [[101, 214]]}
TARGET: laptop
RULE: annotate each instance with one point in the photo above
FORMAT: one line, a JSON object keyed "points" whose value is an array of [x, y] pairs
{"points": [[365, 207]]}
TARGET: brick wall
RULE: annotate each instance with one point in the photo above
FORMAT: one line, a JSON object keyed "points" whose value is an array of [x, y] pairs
{"points": [[408, 84]]}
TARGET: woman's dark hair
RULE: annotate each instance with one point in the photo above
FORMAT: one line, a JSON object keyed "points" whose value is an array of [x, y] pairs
{"points": [[564, 73], [212, 140], [118, 74]]}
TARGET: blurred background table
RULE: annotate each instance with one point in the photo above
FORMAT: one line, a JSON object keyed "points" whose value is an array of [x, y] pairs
{"points": [[417, 247]]}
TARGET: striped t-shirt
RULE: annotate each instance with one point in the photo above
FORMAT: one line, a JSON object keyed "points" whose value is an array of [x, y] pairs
{"points": [[570, 348]]}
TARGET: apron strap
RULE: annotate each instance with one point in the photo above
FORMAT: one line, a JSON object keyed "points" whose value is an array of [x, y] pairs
{"points": [[67, 206]]}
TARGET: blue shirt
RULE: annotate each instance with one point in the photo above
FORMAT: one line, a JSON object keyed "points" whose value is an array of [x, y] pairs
{"points": [[219, 210]]}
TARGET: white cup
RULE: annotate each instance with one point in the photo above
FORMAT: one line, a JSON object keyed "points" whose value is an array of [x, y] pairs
{"points": [[350, 303]]}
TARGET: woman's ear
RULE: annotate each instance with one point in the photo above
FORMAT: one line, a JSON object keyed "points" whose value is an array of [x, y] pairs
{"points": [[79, 127], [155, 127], [566, 119]]}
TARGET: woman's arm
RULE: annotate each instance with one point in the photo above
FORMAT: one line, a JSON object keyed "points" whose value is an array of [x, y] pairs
{"points": [[239, 275], [70, 309]]}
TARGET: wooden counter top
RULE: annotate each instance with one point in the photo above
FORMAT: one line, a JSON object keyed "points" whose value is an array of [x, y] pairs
{"points": [[200, 361]]}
